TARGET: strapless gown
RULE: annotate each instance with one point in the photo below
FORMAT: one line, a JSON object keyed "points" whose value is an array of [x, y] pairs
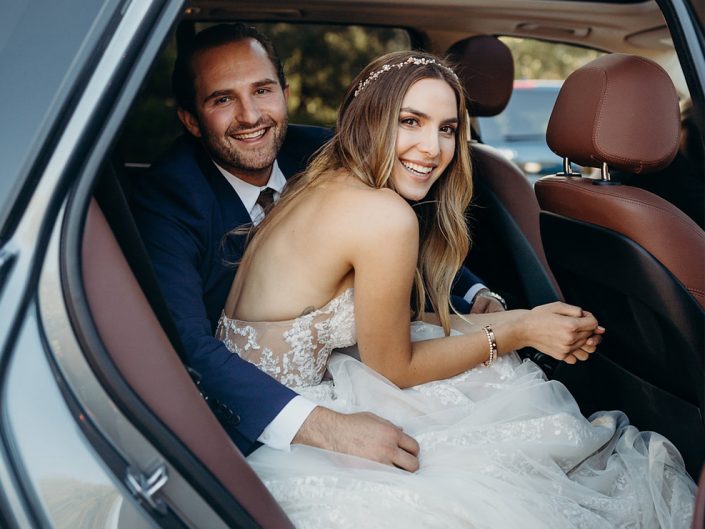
{"points": [[501, 447]]}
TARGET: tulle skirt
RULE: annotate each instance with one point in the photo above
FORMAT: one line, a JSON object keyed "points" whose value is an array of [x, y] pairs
{"points": [[501, 447]]}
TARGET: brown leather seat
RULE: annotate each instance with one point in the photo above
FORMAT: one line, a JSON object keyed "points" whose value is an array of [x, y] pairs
{"points": [[168, 404], [629, 256], [507, 250]]}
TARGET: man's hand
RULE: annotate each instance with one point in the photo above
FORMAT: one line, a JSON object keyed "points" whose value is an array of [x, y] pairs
{"points": [[485, 302], [359, 434]]}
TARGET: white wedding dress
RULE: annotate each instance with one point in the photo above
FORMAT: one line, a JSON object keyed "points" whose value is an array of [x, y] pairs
{"points": [[501, 447]]}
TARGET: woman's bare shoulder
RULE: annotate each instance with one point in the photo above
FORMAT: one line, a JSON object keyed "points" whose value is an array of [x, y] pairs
{"points": [[381, 210], [373, 230]]}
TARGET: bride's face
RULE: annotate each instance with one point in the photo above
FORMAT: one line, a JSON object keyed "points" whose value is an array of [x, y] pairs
{"points": [[428, 121]]}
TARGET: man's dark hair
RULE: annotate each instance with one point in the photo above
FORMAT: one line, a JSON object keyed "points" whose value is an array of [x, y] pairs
{"points": [[183, 77]]}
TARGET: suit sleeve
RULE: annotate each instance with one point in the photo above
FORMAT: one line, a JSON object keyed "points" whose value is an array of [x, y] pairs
{"points": [[465, 282], [176, 238]]}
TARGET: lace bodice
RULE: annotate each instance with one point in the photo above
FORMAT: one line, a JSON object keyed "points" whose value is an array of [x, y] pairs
{"points": [[295, 352]]}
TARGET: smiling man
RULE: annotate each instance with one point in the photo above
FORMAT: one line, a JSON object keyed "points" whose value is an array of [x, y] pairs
{"points": [[238, 108]]}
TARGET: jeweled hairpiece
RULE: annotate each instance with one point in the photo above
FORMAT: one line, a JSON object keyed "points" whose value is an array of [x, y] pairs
{"points": [[411, 60]]}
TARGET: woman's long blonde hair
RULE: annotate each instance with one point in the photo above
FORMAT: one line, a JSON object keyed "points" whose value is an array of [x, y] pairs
{"points": [[364, 144]]}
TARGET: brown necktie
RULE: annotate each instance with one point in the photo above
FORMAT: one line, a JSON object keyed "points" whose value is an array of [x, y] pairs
{"points": [[266, 198]]}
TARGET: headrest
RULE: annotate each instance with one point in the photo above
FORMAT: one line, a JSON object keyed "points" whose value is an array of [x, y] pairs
{"points": [[486, 69], [618, 109]]}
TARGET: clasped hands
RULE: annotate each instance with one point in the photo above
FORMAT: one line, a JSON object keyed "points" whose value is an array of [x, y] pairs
{"points": [[564, 332]]}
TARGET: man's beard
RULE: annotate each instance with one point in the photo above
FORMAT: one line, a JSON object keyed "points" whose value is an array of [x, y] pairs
{"points": [[225, 152]]}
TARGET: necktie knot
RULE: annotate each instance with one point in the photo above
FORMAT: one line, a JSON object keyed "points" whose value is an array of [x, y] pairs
{"points": [[266, 198]]}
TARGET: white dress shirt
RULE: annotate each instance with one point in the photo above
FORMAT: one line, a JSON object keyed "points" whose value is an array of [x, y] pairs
{"points": [[472, 292], [281, 431], [249, 193]]}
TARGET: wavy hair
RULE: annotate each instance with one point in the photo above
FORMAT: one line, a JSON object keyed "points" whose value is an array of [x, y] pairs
{"points": [[364, 144]]}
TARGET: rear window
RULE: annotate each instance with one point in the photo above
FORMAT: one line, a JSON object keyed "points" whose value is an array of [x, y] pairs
{"points": [[519, 131], [526, 116]]}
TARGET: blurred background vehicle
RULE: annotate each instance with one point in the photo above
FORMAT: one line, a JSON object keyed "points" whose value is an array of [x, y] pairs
{"points": [[519, 132]]}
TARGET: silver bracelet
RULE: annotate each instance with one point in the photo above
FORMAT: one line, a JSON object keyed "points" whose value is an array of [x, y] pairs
{"points": [[493, 345]]}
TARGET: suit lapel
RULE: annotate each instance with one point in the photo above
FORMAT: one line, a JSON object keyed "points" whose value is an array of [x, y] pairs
{"points": [[288, 164], [232, 211], [231, 207]]}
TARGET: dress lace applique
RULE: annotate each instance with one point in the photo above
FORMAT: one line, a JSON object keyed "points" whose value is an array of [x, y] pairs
{"points": [[303, 345]]}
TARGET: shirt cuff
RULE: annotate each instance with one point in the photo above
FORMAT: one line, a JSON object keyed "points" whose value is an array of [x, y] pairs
{"points": [[281, 431], [470, 294]]}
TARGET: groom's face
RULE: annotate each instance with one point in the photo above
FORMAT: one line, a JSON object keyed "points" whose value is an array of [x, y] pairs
{"points": [[240, 109]]}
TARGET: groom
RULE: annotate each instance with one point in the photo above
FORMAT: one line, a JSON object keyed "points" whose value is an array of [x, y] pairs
{"points": [[231, 93]]}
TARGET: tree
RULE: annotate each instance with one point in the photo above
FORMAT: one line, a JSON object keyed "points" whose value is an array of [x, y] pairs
{"points": [[536, 59]]}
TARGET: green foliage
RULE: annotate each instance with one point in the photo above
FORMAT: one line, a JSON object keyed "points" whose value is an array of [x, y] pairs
{"points": [[321, 62], [152, 124], [536, 59]]}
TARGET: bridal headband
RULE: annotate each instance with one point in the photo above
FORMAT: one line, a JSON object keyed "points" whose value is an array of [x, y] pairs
{"points": [[411, 60]]}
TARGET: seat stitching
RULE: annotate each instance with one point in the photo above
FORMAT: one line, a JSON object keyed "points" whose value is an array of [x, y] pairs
{"points": [[682, 218]]}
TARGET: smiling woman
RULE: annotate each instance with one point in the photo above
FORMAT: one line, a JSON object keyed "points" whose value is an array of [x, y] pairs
{"points": [[412, 127], [425, 141]]}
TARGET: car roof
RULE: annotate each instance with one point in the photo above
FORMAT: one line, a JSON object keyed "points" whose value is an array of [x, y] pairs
{"points": [[626, 26]]}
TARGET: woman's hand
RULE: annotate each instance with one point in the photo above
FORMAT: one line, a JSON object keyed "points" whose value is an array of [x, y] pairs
{"points": [[564, 332]]}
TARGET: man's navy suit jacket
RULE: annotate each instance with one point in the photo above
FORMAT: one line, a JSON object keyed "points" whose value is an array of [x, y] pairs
{"points": [[185, 208]]}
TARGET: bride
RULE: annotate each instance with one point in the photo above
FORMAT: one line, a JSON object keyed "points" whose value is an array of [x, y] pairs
{"points": [[379, 218]]}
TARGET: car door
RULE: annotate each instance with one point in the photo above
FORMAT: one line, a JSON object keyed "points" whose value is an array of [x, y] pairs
{"points": [[69, 457]]}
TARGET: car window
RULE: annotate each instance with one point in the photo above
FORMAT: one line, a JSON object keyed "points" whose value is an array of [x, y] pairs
{"points": [[519, 132], [320, 62], [526, 116], [43, 46]]}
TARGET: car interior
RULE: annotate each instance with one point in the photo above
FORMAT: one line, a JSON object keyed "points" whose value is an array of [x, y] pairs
{"points": [[629, 256]]}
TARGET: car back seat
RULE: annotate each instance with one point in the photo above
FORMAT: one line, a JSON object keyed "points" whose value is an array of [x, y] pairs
{"points": [[144, 349], [142, 343]]}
